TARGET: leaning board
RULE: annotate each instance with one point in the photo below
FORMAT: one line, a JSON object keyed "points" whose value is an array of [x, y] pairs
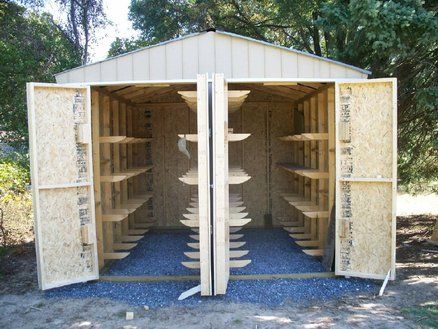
{"points": [[366, 178], [62, 183]]}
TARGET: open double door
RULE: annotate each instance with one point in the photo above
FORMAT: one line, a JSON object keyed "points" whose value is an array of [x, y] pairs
{"points": [[62, 181]]}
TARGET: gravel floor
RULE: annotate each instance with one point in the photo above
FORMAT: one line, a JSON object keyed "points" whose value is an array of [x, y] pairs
{"points": [[271, 251], [264, 292]]}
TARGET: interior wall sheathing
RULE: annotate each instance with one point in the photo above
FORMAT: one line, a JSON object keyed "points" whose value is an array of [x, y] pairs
{"points": [[260, 194]]}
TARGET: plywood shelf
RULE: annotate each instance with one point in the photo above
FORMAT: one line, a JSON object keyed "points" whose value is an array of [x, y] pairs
{"points": [[231, 137], [121, 176], [113, 178], [309, 208], [139, 200], [308, 243], [235, 99], [235, 176], [314, 252], [124, 246], [115, 255], [305, 137], [316, 214], [123, 140], [303, 171], [114, 216]]}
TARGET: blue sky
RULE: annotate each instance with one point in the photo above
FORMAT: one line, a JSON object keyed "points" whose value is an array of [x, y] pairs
{"points": [[117, 14]]}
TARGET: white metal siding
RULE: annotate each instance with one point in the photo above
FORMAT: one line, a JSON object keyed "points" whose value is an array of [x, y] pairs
{"points": [[235, 56]]}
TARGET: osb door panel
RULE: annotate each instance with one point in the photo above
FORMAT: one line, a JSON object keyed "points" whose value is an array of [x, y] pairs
{"points": [[221, 187], [62, 177], [366, 178]]}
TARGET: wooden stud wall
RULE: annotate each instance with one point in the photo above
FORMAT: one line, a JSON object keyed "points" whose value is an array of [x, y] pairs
{"points": [[120, 167], [312, 194]]}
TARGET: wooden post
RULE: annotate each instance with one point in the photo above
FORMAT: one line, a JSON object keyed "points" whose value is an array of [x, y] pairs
{"points": [[105, 157], [129, 161], [299, 149], [307, 159], [322, 166], [116, 166], [123, 166], [95, 98], [331, 147], [313, 161]]}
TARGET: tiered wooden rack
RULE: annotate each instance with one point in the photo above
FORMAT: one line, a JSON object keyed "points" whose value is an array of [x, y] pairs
{"points": [[313, 167], [237, 216], [119, 156]]}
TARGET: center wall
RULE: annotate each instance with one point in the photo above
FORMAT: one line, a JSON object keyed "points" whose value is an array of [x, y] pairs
{"points": [[257, 155]]}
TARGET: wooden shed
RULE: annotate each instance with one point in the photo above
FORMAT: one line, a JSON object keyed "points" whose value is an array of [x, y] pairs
{"points": [[213, 132]]}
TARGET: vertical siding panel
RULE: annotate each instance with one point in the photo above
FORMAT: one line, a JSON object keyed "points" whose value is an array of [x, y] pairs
{"points": [[157, 63], [92, 73], [289, 64], [272, 62], [324, 69], [239, 58], [206, 53], [190, 58], [223, 55], [337, 71], [305, 67], [62, 78], [124, 68], [108, 71], [352, 74], [140, 63], [77, 75], [256, 60], [174, 60]]}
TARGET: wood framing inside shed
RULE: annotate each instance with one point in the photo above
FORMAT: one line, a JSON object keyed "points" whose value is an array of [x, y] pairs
{"points": [[275, 138]]}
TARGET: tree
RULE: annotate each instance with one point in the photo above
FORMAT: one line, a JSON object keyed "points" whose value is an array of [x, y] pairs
{"points": [[392, 38], [32, 48], [83, 17]]}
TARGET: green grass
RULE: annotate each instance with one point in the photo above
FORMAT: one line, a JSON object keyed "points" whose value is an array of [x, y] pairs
{"points": [[426, 316]]}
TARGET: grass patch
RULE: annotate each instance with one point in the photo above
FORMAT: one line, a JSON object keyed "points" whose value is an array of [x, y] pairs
{"points": [[426, 316]]}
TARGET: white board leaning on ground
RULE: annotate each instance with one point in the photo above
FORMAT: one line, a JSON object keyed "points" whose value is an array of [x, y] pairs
{"points": [[62, 183]]}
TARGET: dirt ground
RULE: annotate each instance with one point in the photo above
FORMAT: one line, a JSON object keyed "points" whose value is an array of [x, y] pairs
{"points": [[409, 302]]}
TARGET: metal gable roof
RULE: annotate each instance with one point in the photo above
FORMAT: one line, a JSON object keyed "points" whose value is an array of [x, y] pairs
{"points": [[223, 33]]}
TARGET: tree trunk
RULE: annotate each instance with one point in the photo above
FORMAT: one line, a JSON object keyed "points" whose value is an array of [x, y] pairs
{"points": [[316, 38]]}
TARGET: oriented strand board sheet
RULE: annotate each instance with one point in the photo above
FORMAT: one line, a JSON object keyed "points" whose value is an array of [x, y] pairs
{"points": [[366, 118], [171, 196], [366, 178], [255, 191], [281, 123], [65, 258], [366, 227], [62, 183]]}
